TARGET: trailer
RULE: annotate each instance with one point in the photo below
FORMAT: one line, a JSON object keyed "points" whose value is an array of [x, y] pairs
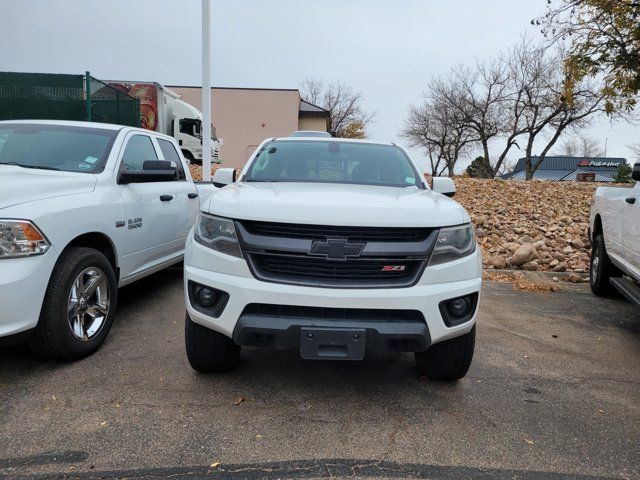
{"points": [[162, 110]]}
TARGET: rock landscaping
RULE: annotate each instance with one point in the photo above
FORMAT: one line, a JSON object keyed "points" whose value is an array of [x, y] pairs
{"points": [[536, 225]]}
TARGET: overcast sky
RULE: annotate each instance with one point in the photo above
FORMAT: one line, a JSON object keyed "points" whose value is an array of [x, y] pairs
{"points": [[386, 48]]}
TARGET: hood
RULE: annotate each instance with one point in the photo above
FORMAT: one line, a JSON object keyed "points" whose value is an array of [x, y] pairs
{"points": [[335, 204], [21, 185]]}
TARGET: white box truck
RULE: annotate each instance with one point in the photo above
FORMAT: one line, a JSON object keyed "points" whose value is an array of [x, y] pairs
{"points": [[162, 111]]}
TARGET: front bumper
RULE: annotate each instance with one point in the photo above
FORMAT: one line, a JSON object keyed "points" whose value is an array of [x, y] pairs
{"points": [[232, 276], [23, 283]]}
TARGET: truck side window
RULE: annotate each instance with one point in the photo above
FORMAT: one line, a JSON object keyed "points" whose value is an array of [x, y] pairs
{"points": [[170, 153], [138, 150]]}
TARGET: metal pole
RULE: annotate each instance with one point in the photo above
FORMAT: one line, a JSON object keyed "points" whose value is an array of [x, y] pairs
{"points": [[206, 90], [87, 83], [606, 140]]}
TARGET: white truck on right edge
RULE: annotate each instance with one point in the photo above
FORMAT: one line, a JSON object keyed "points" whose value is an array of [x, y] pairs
{"points": [[615, 235]]}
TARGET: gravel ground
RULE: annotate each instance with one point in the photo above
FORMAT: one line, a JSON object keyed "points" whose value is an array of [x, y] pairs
{"points": [[553, 393]]}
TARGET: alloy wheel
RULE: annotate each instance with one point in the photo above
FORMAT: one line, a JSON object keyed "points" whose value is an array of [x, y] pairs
{"points": [[88, 304]]}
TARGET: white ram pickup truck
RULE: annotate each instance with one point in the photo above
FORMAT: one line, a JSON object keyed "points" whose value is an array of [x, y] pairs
{"points": [[84, 208], [615, 235], [333, 247]]}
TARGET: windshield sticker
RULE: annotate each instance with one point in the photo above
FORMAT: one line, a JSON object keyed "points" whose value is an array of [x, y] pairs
{"points": [[84, 166], [410, 180], [91, 159]]}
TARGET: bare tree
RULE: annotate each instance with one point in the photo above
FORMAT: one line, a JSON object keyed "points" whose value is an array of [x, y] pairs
{"points": [[581, 146], [476, 97], [554, 102], [347, 117], [524, 93], [486, 101], [635, 148], [437, 129]]}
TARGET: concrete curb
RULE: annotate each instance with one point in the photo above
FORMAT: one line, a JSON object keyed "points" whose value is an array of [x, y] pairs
{"points": [[539, 276]]}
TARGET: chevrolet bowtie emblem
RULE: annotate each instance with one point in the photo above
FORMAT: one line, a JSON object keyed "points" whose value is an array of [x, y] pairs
{"points": [[336, 249]]}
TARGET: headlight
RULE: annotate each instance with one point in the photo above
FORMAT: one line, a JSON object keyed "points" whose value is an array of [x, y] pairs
{"points": [[20, 238], [453, 243], [218, 234]]}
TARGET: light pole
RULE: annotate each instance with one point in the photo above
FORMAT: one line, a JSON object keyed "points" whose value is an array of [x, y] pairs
{"points": [[206, 90]]}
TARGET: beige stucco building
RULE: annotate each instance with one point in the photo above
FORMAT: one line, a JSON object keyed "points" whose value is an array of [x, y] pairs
{"points": [[243, 117]]}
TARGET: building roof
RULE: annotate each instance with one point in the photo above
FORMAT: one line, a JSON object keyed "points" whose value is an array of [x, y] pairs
{"points": [[308, 109], [562, 168], [539, 175], [236, 88], [571, 163]]}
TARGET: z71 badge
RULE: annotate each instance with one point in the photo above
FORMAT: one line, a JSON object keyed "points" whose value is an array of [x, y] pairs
{"points": [[134, 223], [393, 268]]}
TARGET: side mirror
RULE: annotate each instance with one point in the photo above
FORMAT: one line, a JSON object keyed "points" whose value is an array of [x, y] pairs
{"points": [[224, 176], [152, 171], [444, 185], [635, 173]]}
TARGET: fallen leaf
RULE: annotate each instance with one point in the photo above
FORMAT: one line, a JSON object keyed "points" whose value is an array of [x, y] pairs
{"points": [[53, 397], [239, 401], [214, 464], [103, 424], [117, 405], [258, 436], [529, 442]]}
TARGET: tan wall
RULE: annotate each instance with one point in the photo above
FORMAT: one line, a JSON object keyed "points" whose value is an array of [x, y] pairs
{"points": [[245, 117], [312, 123]]}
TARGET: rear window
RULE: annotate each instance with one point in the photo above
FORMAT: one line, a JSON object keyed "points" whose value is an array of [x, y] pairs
{"points": [[333, 162]]}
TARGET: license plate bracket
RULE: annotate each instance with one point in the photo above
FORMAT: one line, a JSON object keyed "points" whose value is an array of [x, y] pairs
{"points": [[332, 343]]}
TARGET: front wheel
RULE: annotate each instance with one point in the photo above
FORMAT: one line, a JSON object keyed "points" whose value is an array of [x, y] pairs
{"points": [[78, 307], [207, 350], [449, 360], [601, 269]]}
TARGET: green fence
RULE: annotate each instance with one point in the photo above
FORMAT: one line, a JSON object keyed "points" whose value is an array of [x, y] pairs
{"points": [[52, 96]]}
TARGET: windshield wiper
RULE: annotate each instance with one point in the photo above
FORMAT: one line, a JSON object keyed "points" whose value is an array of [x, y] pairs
{"points": [[40, 167]]}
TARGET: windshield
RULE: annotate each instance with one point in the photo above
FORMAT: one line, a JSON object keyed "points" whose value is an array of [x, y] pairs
{"points": [[55, 147], [333, 162]]}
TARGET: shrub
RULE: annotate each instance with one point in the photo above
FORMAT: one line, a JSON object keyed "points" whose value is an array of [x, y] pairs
{"points": [[623, 175]]}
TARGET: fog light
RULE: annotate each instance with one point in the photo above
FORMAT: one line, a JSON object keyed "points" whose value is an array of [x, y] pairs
{"points": [[458, 307], [206, 297]]}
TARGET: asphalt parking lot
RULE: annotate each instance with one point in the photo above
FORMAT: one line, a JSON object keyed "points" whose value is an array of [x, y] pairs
{"points": [[553, 393]]}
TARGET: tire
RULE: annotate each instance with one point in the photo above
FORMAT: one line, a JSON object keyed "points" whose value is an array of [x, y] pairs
{"points": [[448, 360], [601, 269], [189, 158], [209, 351], [54, 337]]}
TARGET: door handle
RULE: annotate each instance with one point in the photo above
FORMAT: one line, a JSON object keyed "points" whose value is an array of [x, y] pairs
{"points": [[166, 198], [630, 200], [192, 195]]}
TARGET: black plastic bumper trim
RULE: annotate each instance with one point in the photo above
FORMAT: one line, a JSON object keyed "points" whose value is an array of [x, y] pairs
{"points": [[284, 333]]}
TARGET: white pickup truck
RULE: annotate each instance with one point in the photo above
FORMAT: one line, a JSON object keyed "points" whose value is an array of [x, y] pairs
{"points": [[333, 247], [84, 209], [615, 235]]}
